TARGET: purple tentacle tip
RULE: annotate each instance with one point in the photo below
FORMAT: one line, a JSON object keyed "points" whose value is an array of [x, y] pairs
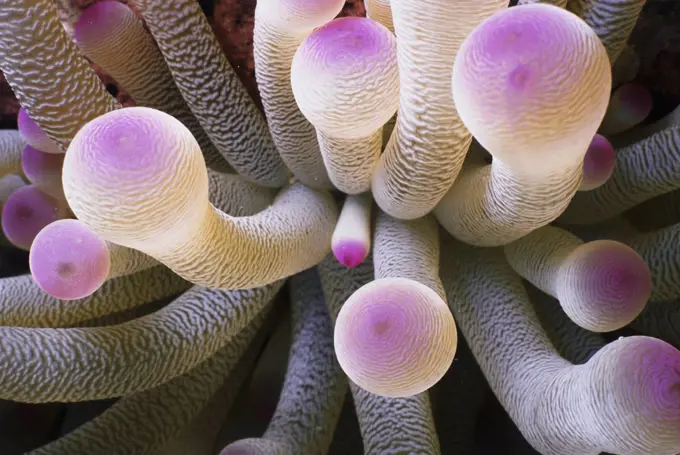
{"points": [[26, 212], [350, 253], [598, 163], [68, 260]]}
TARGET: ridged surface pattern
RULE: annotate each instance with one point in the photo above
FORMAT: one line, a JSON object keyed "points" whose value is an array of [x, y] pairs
{"points": [[78, 364], [612, 20], [212, 90], [532, 84], [24, 304], [315, 386], [427, 148], [49, 76], [601, 285], [493, 205], [345, 79], [661, 251], [389, 426], [380, 11], [350, 162], [646, 169], [107, 27], [11, 147], [293, 135], [144, 421], [574, 343], [137, 178], [622, 400], [661, 320]]}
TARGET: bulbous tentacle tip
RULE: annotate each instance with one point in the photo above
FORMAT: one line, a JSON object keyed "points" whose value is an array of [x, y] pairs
{"points": [[642, 375], [99, 20], [298, 15], [395, 337], [598, 163], [254, 446], [33, 135], [26, 212], [604, 285], [350, 253], [520, 77], [68, 260]]}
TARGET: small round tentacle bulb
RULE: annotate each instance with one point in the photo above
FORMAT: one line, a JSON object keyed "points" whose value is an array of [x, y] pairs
{"points": [[598, 164], [532, 84], [601, 285], [69, 261], [137, 177], [346, 81], [27, 211], [395, 336], [43, 170], [351, 241], [33, 135], [629, 105]]}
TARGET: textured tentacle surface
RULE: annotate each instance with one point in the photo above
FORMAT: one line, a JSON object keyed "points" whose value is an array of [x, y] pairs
{"points": [[12, 145], [24, 304], [315, 386], [143, 422], [388, 425], [163, 209], [9, 184], [428, 146], [574, 343], [212, 90], [351, 241], [34, 135], [492, 205], [656, 213], [280, 27], [53, 82], [77, 364], [561, 408], [646, 169], [346, 81], [601, 285], [661, 251], [612, 20], [105, 28], [662, 320], [396, 336], [380, 11]]}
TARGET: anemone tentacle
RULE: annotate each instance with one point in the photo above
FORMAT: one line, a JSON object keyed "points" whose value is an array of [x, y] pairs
{"points": [[280, 27], [560, 408], [643, 170], [145, 421], [163, 209], [601, 285], [53, 82], [183, 334], [315, 386], [538, 101], [429, 142], [106, 27], [12, 144], [388, 425], [212, 90]]}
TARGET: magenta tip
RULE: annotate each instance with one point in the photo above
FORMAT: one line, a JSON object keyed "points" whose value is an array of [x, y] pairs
{"points": [[350, 253], [38, 166], [598, 162], [26, 212], [96, 20], [68, 260]]}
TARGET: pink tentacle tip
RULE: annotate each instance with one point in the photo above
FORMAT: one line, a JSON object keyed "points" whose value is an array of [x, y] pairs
{"points": [[350, 253], [68, 260], [598, 163], [26, 212], [97, 19], [637, 98]]}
